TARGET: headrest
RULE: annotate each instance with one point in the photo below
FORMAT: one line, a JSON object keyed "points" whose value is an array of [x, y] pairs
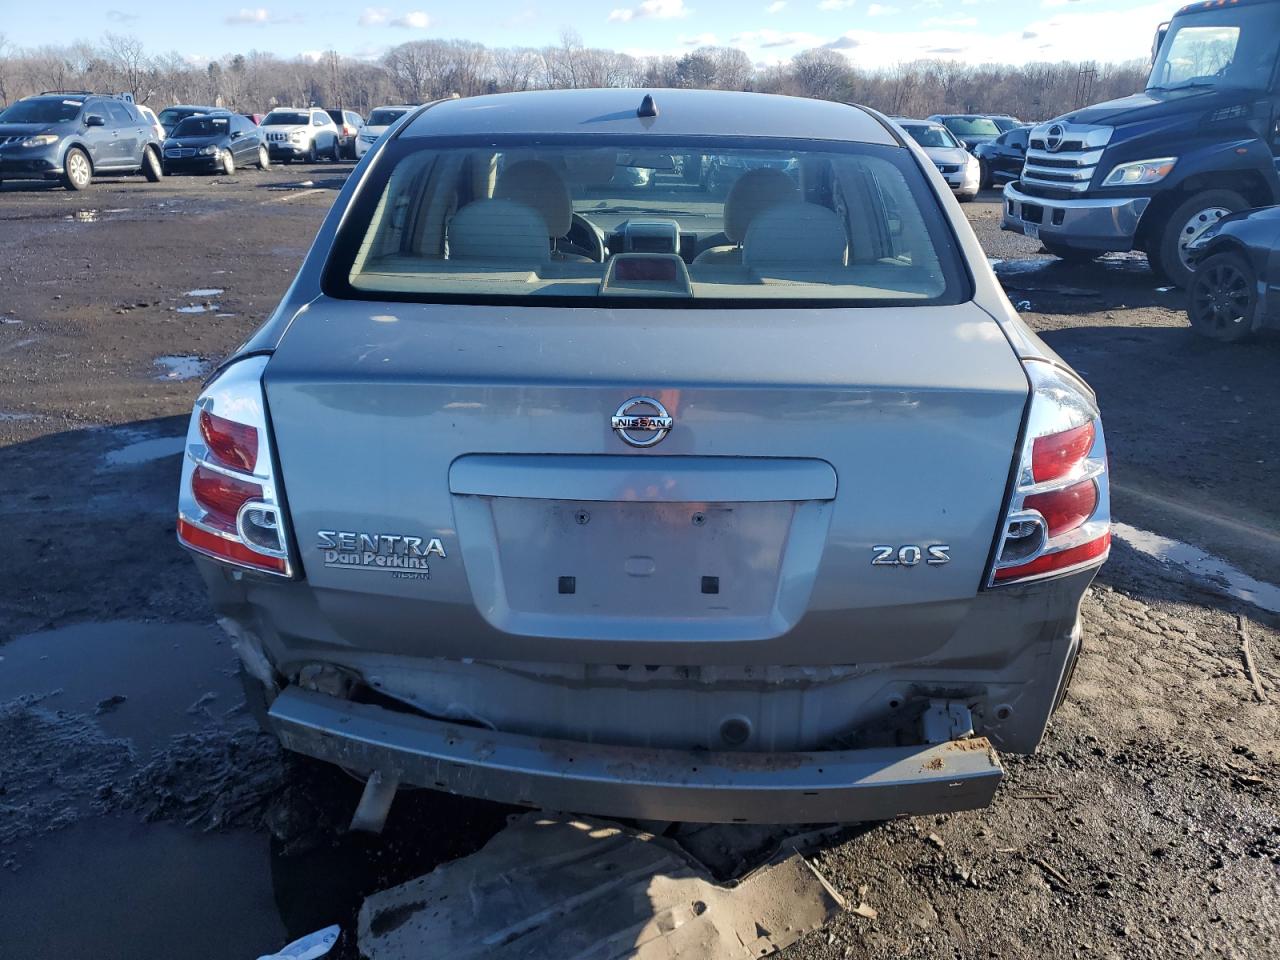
{"points": [[752, 193], [536, 184], [498, 230], [796, 234]]}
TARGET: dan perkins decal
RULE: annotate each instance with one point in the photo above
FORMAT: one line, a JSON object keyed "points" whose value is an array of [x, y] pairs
{"points": [[400, 555]]}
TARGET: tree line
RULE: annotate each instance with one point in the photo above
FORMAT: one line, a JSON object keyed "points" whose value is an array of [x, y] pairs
{"points": [[422, 70]]}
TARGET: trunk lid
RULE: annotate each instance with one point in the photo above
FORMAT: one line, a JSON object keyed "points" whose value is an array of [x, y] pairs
{"points": [[457, 487]]}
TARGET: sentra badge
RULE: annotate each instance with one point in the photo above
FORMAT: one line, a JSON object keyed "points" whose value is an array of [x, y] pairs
{"points": [[379, 551]]}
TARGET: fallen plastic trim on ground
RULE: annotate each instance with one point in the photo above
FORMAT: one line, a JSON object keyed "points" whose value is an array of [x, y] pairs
{"points": [[552, 887]]}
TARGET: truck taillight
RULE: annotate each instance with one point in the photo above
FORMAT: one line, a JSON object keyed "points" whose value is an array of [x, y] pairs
{"points": [[228, 504], [1059, 516]]}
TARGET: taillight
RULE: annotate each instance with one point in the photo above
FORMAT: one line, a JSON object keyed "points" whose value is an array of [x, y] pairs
{"points": [[1059, 515], [228, 504]]}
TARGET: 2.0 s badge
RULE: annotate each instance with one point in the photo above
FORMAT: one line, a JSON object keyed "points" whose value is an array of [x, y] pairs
{"points": [[910, 555]]}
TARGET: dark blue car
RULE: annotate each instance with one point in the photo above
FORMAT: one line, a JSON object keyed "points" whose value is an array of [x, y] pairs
{"points": [[74, 137]]}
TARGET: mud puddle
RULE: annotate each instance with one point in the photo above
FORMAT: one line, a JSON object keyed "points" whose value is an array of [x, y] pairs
{"points": [[116, 889], [180, 367], [144, 451], [1202, 565], [141, 682]]}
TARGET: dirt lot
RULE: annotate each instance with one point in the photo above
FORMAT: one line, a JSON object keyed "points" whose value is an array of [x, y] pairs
{"points": [[139, 811]]}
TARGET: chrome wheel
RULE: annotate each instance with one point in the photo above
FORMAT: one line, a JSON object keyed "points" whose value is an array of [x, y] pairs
{"points": [[78, 170], [1200, 221], [264, 159]]}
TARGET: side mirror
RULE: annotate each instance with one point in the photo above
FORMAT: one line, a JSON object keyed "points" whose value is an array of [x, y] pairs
{"points": [[93, 120], [1020, 147], [236, 134]]}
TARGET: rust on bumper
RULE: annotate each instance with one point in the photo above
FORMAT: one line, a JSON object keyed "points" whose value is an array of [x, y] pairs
{"points": [[698, 786]]}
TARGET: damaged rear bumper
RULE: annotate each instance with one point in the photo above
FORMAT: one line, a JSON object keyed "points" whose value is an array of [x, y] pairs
{"points": [[697, 786]]}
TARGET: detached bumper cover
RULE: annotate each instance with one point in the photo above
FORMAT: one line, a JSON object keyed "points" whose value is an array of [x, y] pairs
{"points": [[1107, 223], [695, 786]]}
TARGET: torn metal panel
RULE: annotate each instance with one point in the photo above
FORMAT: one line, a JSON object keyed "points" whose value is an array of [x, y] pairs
{"points": [[592, 890]]}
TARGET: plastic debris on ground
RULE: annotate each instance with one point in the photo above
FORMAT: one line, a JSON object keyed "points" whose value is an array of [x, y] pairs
{"points": [[548, 886]]}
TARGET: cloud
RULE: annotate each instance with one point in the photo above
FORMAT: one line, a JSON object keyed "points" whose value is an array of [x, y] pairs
{"points": [[247, 16], [260, 17], [775, 7], [413, 20], [120, 16], [701, 40], [880, 10], [1029, 34], [651, 9], [836, 4], [772, 39], [843, 43], [374, 17], [951, 22]]}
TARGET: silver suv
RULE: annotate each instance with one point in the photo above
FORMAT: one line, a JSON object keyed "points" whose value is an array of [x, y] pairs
{"points": [[571, 488], [301, 134]]}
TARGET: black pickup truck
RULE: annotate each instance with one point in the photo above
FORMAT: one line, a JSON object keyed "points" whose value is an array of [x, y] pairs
{"points": [[1153, 171]]}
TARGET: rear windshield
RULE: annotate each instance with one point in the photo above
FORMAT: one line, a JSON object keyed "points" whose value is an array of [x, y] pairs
{"points": [[747, 222], [385, 118], [931, 136], [42, 111], [972, 127], [202, 127], [286, 118]]}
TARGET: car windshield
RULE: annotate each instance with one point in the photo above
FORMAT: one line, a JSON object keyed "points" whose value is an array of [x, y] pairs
{"points": [[173, 116], [931, 135], [1005, 124], [385, 118], [286, 118], [202, 127], [707, 223], [1230, 47], [42, 111], [972, 126]]}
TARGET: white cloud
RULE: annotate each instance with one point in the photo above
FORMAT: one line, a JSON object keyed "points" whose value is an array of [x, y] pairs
{"points": [[836, 4], [413, 20], [311, 55], [701, 40], [951, 22], [770, 39], [374, 17], [120, 16], [880, 10], [651, 9], [776, 7], [258, 15]]}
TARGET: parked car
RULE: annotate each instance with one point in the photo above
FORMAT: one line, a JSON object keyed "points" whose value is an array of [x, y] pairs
{"points": [[797, 532], [74, 137], [300, 134], [349, 124], [378, 123], [1001, 159], [215, 142], [1154, 170], [957, 165], [149, 115], [170, 117], [1234, 289], [970, 129]]}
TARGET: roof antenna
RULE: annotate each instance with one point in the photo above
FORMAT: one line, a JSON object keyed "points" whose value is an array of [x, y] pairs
{"points": [[647, 107]]}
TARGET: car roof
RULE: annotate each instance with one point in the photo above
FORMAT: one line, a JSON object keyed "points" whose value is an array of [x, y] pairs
{"points": [[716, 113]]}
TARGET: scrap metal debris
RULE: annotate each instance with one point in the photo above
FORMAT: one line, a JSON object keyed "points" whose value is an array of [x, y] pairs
{"points": [[553, 887], [310, 947]]}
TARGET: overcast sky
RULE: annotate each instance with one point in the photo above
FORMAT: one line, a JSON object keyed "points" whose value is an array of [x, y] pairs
{"points": [[869, 33]]}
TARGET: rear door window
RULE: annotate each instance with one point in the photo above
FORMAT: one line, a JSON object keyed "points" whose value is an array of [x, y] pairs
{"points": [[743, 222]]}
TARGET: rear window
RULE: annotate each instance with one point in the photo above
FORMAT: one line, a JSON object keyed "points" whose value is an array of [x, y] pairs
{"points": [[972, 126], [709, 223], [385, 118], [286, 118], [203, 126], [931, 135]]}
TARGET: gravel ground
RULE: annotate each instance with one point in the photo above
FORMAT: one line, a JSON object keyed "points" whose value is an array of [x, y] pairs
{"points": [[1147, 825]]}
